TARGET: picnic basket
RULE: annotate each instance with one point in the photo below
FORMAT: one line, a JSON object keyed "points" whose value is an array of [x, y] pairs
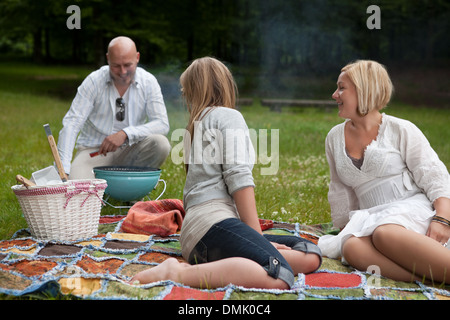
{"points": [[64, 211]]}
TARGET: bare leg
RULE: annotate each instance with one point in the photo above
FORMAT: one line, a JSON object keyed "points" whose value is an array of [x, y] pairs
{"points": [[239, 271], [301, 262], [415, 252], [400, 254], [361, 253]]}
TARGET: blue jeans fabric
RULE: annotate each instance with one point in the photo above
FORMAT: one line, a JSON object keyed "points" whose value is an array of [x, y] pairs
{"points": [[233, 238]]}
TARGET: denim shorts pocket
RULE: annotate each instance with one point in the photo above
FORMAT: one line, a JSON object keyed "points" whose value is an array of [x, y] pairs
{"points": [[199, 254], [274, 267]]}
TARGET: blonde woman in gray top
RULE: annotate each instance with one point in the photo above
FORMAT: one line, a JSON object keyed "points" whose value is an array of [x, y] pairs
{"points": [[221, 237]]}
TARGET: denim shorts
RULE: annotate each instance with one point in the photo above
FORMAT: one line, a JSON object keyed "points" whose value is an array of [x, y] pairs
{"points": [[233, 238]]}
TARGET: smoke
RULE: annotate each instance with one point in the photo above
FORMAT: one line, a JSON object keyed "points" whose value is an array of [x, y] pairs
{"points": [[300, 48]]}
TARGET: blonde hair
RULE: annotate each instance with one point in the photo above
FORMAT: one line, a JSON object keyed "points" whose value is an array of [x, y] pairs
{"points": [[373, 85], [207, 82]]}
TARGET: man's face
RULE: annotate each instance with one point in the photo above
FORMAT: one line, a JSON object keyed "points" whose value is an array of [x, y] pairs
{"points": [[122, 65]]}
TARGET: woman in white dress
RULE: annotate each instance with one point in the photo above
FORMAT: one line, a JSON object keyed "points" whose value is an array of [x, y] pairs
{"points": [[389, 193]]}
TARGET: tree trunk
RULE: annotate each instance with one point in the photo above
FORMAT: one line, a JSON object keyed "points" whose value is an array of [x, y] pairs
{"points": [[37, 45]]}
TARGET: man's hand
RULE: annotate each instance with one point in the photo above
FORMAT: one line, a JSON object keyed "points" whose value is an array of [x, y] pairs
{"points": [[112, 142]]}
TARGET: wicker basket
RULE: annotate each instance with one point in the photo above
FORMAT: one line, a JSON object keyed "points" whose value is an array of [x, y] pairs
{"points": [[66, 211]]}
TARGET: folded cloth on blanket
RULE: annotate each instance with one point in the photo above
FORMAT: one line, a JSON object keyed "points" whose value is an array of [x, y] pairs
{"points": [[161, 217]]}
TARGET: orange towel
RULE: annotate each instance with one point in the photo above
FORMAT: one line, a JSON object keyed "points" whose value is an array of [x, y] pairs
{"points": [[161, 217]]}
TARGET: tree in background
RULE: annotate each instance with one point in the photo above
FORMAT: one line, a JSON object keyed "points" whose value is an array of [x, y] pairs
{"points": [[295, 36]]}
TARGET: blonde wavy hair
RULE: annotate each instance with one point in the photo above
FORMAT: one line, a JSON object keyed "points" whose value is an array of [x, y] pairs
{"points": [[373, 84], [207, 82]]}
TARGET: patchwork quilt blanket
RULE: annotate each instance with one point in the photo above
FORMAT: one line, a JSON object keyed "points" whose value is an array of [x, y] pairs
{"points": [[100, 267]]}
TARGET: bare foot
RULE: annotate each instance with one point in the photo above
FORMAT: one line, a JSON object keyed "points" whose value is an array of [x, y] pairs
{"points": [[167, 270]]}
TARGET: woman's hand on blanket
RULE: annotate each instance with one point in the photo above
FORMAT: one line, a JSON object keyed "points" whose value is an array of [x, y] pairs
{"points": [[280, 246]]}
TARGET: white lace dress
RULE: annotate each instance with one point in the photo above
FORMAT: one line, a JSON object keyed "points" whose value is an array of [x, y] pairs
{"points": [[399, 179]]}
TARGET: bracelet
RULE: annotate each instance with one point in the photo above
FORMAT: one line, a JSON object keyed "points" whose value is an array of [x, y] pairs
{"points": [[441, 220]]}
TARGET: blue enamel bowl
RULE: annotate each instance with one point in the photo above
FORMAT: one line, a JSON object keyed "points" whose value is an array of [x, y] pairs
{"points": [[127, 183]]}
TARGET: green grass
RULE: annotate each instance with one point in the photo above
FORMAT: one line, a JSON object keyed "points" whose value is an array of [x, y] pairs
{"points": [[31, 96]]}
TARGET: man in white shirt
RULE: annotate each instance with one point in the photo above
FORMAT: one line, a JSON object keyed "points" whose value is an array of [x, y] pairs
{"points": [[119, 114]]}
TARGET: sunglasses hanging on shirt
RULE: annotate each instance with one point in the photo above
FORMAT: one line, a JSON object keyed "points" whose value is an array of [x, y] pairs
{"points": [[120, 115]]}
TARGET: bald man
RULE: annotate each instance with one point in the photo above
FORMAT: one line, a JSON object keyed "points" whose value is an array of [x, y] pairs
{"points": [[117, 118]]}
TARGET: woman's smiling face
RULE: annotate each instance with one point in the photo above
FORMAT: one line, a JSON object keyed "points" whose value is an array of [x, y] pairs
{"points": [[346, 97]]}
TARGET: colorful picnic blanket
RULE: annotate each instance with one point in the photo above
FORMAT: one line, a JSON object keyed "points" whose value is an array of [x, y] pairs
{"points": [[99, 267]]}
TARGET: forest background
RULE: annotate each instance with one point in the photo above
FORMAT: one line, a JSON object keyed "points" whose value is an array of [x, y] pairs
{"points": [[266, 43]]}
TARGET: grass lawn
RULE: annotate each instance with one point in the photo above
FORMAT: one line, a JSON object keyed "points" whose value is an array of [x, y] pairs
{"points": [[31, 96]]}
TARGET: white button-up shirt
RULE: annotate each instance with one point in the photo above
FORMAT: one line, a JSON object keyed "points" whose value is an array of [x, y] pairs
{"points": [[92, 114]]}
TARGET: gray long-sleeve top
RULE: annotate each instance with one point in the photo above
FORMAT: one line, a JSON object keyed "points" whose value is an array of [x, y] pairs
{"points": [[221, 157]]}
